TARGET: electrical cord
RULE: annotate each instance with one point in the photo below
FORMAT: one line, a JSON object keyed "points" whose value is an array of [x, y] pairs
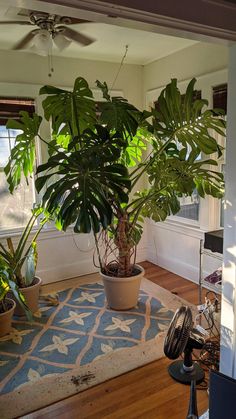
{"points": [[209, 356]]}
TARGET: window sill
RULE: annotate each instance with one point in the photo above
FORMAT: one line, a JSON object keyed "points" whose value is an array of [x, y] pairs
{"points": [[49, 232], [180, 227]]}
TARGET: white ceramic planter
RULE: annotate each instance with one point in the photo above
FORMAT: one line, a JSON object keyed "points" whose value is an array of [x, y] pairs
{"points": [[122, 293]]}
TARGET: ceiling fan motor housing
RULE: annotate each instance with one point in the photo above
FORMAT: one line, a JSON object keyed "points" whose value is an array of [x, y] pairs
{"points": [[47, 21]]}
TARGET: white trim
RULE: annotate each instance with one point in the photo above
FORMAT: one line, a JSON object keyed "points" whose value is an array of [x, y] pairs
{"points": [[67, 271], [176, 266], [176, 226], [142, 19], [46, 233], [183, 220]]}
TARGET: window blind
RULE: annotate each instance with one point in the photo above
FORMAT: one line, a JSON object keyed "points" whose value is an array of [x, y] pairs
{"points": [[220, 97], [11, 106]]}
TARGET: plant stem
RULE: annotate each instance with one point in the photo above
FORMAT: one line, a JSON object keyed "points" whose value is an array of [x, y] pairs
{"points": [[97, 248], [124, 247]]}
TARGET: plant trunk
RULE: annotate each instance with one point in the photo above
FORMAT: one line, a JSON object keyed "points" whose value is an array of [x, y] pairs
{"points": [[123, 245]]}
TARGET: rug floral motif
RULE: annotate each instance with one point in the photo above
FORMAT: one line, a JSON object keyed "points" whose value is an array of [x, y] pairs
{"points": [[76, 332]]}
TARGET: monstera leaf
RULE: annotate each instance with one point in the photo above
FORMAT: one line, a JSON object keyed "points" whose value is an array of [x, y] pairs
{"points": [[157, 204], [182, 118], [118, 114], [71, 112], [88, 181], [22, 156], [172, 177], [137, 145]]}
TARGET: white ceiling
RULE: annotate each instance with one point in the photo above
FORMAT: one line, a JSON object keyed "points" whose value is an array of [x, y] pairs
{"points": [[143, 47]]}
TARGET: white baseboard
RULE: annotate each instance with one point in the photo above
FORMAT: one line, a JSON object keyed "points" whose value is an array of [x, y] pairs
{"points": [[173, 265], [77, 268], [67, 271]]}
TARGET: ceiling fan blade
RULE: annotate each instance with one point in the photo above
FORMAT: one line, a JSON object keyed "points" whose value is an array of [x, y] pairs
{"points": [[15, 22], [25, 41], [64, 20], [76, 36]]}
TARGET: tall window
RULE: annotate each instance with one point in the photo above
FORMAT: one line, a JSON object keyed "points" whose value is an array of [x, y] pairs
{"points": [[14, 209]]}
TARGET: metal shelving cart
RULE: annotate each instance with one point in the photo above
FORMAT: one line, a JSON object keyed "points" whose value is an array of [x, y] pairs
{"points": [[212, 246]]}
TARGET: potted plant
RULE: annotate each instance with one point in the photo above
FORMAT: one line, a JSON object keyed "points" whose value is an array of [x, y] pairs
{"points": [[7, 305], [21, 262], [97, 159]]}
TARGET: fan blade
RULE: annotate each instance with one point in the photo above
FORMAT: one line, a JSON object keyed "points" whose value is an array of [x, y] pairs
{"points": [[76, 36], [25, 41], [15, 22], [65, 20]]}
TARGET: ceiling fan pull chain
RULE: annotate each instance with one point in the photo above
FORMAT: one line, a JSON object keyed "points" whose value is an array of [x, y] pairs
{"points": [[50, 62]]}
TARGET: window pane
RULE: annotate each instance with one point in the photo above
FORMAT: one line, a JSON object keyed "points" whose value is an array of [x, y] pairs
{"points": [[15, 209], [3, 131], [4, 151], [190, 207]]}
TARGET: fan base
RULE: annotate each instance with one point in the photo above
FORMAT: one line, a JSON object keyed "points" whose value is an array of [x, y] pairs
{"points": [[177, 372]]}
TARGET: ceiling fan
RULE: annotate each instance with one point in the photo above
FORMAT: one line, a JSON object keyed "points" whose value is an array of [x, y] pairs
{"points": [[51, 29]]}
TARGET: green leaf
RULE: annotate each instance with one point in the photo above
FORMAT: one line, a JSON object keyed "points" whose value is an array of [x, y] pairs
{"points": [[181, 118], [118, 114], [22, 156], [30, 264], [71, 112], [90, 179]]}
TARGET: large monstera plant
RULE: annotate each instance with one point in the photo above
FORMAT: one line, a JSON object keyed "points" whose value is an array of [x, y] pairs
{"points": [[97, 158]]}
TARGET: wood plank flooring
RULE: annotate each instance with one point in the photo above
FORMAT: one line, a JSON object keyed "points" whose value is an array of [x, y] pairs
{"points": [[145, 393]]}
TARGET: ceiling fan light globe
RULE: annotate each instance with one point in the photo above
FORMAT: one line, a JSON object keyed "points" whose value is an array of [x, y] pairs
{"points": [[42, 42], [61, 41]]}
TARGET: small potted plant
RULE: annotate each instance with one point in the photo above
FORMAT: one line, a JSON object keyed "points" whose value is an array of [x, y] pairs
{"points": [[96, 161], [7, 305], [21, 262]]}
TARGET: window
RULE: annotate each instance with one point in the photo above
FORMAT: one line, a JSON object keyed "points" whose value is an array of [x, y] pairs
{"points": [[14, 209], [189, 206], [220, 97]]}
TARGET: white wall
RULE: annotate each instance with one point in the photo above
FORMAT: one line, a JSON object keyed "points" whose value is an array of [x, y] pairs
{"points": [[19, 67], [66, 255], [194, 61], [174, 245]]}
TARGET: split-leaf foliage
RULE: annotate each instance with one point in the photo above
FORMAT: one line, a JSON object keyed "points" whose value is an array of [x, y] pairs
{"points": [[97, 158]]}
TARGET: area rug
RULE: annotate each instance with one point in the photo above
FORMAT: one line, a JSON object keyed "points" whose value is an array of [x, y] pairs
{"points": [[79, 343]]}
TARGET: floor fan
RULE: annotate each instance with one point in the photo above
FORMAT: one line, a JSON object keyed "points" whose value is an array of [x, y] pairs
{"points": [[183, 338]]}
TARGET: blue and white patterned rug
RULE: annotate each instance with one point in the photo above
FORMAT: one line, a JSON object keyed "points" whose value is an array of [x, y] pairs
{"points": [[69, 345]]}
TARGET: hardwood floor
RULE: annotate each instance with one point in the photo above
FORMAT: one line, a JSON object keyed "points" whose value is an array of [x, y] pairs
{"points": [[147, 392]]}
